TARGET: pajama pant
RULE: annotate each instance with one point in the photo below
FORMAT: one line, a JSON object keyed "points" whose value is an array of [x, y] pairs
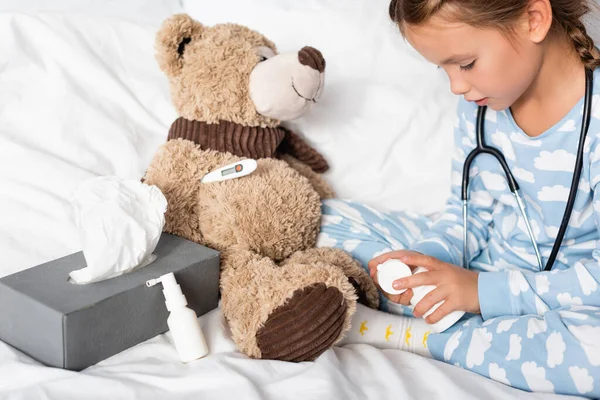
{"points": [[558, 352]]}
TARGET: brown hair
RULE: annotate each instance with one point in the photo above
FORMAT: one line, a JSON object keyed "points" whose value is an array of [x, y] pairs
{"points": [[566, 18]]}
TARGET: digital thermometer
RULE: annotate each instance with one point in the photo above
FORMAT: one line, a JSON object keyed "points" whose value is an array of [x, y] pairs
{"points": [[231, 171]]}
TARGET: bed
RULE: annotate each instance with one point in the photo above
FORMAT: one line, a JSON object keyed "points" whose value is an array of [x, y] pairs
{"points": [[81, 96]]}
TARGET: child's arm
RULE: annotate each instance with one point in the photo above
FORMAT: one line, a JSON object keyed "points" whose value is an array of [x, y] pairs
{"points": [[444, 240], [521, 293]]}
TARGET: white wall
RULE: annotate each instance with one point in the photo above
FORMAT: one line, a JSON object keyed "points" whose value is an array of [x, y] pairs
{"points": [[593, 22]]}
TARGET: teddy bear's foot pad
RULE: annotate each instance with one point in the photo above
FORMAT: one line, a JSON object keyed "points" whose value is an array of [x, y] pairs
{"points": [[305, 326]]}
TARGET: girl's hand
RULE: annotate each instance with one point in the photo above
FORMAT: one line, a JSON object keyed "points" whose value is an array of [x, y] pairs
{"points": [[403, 298], [456, 286]]}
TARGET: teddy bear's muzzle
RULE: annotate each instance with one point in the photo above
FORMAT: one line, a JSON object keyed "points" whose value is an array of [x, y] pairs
{"points": [[285, 86]]}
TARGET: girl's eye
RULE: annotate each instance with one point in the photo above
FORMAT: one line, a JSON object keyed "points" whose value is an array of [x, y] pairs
{"points": [[468, 66]]}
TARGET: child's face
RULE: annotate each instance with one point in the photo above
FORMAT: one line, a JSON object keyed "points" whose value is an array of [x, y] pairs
{"points": [[482, 64]]}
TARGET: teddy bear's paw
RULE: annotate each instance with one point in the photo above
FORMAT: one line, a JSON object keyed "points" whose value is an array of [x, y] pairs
{"points": [[359, 278], [291, 312], [308, 324]]}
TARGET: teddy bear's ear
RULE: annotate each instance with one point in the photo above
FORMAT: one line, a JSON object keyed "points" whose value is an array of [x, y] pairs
{"points": [[173, 36]]}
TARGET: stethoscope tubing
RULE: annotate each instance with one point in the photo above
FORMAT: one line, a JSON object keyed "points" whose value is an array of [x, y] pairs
{"points": [[483, 148]]}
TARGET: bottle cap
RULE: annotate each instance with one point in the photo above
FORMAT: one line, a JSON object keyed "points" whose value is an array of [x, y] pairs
{"points": [[390, 271]]}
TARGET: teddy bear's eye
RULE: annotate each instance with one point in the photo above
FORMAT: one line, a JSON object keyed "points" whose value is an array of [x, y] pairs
{"points": [[182, 45], [264, 53]]}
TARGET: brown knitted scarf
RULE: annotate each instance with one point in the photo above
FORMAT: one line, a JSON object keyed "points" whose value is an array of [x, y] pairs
{"points": [[245, 141]]}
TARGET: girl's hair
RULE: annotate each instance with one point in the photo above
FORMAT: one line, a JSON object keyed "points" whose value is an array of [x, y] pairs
{"points": [[566, 18]]}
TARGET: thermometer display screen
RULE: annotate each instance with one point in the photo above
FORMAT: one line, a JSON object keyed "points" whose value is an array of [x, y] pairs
{"points": [[228, 171], [232, 170]]}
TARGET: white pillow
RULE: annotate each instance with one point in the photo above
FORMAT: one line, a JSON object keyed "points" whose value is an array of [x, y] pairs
{"points": [[142, 11], [82, 96], [386, 117], [79, 97]]}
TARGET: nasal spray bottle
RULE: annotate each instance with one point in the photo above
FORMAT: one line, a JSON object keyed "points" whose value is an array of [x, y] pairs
{"points": [[182, 321]]}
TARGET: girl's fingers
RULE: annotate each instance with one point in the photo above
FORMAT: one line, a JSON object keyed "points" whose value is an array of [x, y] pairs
{"points": [[430, 300], [404, 298], [421, 260], [387, 256], [424, 278], [446, 308]]}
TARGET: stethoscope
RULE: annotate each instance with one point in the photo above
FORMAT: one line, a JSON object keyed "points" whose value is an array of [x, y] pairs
{"points": [[482, 148]]}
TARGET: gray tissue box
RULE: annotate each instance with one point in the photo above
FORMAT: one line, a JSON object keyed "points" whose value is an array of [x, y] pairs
{"points": [[74, 326]]}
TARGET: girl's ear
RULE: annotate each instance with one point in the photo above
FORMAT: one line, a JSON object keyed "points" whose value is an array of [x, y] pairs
{"points": [[539, 19]]}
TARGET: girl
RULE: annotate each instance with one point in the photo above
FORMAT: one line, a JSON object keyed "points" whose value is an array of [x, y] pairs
{"points": [[537, 330]]}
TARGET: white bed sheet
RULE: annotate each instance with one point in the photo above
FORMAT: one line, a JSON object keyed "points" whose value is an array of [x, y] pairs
{"points": [[81, 97], [151, 370]]}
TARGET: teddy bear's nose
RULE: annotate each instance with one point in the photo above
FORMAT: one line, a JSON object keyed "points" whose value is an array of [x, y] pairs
{"points": [[312, 57]]}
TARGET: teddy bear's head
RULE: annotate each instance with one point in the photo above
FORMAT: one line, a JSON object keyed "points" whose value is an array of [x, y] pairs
{"points": [[228, 72]]}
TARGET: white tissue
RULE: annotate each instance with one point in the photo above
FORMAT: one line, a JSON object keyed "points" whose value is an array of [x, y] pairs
{"points": [[119, 222]]}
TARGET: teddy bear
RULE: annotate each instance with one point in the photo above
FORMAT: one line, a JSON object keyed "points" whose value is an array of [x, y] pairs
{"points": [[283, 298]]}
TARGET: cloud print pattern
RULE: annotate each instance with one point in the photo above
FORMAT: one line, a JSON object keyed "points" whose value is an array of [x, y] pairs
{"points": [[537, 330]]}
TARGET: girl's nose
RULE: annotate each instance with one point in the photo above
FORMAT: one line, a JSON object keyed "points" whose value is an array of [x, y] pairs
{"points": [[459, 86]]}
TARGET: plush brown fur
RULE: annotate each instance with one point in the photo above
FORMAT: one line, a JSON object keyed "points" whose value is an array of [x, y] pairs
{"points": [[248, 280], [315, 179], [209, 81], [265, 224], [346, 263]]}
